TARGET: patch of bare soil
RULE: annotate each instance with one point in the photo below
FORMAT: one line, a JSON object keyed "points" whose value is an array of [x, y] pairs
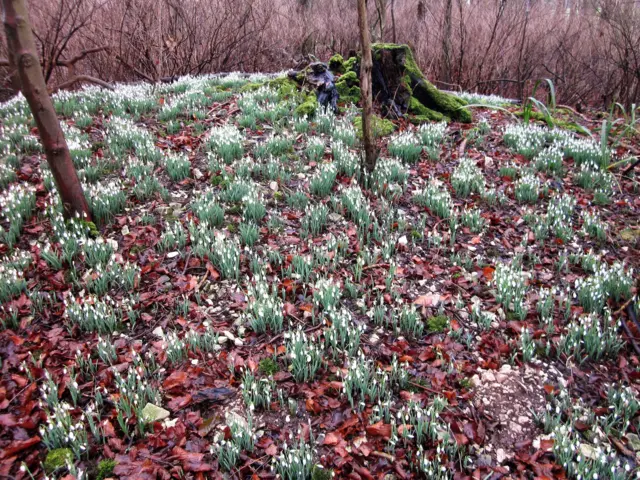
{"points": [[508, 399]]}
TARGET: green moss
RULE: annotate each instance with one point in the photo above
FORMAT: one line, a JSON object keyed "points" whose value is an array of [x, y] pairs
{"points": [[350, 64], [349, 78], [381, 126], [336, 63], [57, 458], [437, 324], [407, 83], [321, 473], [105, 468], [268, 366], [422, 89], [420, 119], [308, 107], [422, 113], [90, 226], [250, 87], [348, 94], [348, 86], [287, 88]]}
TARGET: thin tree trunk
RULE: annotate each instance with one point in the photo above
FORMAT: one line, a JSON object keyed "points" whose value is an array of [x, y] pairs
{"points": [[24, 59], [366, 66], [381, 13], [393, 21], [446, 41]]}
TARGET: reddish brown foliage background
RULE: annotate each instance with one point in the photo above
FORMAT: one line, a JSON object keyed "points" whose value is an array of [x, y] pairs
{"points": [[589, 48]]}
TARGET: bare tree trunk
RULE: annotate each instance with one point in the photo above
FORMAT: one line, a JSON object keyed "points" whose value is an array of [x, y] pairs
{"points": [[366, 66], [393, 21], [446, 41], [520, 73], [381, 20], [23, 58]]}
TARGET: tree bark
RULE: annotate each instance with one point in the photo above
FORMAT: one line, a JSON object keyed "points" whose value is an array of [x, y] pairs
{"points": [[381, 20], [24, 60], [365, 87], [446, 41], [393, 21]]}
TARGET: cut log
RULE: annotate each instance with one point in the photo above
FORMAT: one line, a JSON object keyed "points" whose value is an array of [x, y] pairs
{"points": [[399, 86]]}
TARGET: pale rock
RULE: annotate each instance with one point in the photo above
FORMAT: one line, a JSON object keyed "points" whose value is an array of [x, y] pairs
{"points": [[403, 240], [522, 420], [475, 381], [501, 456], [197, 173], [488, 377], [153, 413], [374, 339], [488, 162], [506, 368], [634, 441], [588, 451], [273, 186], [501, 377], [173, 254], [158, 332], [170, 423], [359, 441], [233, 417]]}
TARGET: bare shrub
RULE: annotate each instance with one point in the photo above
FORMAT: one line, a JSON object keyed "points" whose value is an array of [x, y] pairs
{"points": [[588, 48]]}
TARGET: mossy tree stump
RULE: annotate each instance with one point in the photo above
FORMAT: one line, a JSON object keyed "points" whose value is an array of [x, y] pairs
{"points": [[399, 87]]}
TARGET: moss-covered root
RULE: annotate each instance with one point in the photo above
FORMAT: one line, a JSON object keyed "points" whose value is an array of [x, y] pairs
{"points": [[423, 90], [422, 114]]}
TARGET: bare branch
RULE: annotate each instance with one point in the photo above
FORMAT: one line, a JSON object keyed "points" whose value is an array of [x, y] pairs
{"points": [[134, 69], [82, 55], [80, 79]]}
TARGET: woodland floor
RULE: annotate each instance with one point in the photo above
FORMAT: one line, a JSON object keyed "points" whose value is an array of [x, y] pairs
{"points": [[399, 287]]}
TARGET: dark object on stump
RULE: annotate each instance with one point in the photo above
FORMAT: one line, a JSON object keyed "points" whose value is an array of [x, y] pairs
{"points": [[399, 87], [320, 77]]}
